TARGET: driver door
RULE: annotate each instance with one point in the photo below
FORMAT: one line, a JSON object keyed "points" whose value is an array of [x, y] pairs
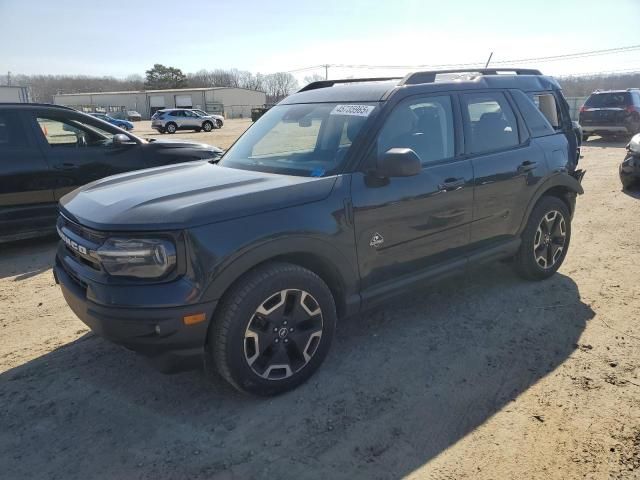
{"points": [[408, 228], [80, 151]]}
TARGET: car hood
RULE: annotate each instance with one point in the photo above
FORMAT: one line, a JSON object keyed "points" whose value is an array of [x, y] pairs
{"points": [[162, 143], [186, 195]]}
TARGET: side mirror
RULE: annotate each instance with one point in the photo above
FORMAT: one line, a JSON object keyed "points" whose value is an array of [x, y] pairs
{"points": [[399, 162], [121, 140]]}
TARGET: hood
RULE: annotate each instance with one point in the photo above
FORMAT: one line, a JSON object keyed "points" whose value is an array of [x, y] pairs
{"points": [[162, 143], [186, 195]]}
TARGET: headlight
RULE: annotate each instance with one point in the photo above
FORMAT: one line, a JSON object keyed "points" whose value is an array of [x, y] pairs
{"points": [[634, 144], [142, 258]]}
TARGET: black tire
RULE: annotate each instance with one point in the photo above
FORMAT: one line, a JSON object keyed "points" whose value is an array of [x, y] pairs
{"points": [[230, 338], [207, 126], [171, 127], [529, 259], [219, 123]]}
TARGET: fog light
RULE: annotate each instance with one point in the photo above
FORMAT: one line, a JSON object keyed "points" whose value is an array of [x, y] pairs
{"points": [[195, 318]]}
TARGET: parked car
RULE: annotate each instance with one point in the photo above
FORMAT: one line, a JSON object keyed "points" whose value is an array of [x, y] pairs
{"points": [[48, 150], [130, 115], [219, 119], [630, 167], [124, 124], [173, 119], [611, 113], [338, 198]]}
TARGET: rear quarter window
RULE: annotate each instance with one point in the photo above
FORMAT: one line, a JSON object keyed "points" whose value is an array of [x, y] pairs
{"points": [[12, 134], [533, 117]]}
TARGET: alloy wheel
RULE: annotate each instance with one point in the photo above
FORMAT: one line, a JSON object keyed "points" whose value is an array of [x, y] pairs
{"points": [[283, 334], [550, 239]]}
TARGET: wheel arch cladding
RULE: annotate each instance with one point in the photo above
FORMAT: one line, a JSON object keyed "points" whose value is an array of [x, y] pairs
{"points": [[564, 187], [324, 260]]}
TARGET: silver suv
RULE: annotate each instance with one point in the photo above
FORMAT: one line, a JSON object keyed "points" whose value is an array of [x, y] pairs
{"points": [[218, 118], [174, 119]]}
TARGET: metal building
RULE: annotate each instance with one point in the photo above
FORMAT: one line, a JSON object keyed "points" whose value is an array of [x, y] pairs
{"points": [[228, 101], [14, 94]]}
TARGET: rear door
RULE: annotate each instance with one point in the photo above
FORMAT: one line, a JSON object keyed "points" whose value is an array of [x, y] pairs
{"points": [[506, 166], [80, 150], [27, 201]]}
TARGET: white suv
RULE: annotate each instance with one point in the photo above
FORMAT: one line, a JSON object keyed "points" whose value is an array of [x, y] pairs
{"points": [[174, 119]]}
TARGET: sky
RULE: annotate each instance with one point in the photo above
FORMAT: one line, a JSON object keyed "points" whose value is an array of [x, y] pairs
{"points": [[119, 38]]}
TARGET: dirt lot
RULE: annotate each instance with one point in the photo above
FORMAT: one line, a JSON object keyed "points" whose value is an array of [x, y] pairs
{"points": [[482, 377]]}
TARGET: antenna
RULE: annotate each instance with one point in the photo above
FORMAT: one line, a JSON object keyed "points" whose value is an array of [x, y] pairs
{"points": [[488, 60]]}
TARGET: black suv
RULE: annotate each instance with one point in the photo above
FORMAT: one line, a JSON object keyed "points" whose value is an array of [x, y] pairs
{"points": [[47, 151], [611, 113], [338, 198]]}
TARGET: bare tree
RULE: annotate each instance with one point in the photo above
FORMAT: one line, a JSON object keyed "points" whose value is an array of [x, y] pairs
{"points": [[315, 77], [279, 85]]}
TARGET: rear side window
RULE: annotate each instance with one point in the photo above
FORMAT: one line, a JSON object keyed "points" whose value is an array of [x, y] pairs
{"points": [[546, 103], [608, 100], [491, 123], [536, 121], [12, 134]]}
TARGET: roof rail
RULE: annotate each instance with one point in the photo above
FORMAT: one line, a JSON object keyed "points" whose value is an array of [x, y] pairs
{"points": [[331, 83], [632, 88], [430, 76]]}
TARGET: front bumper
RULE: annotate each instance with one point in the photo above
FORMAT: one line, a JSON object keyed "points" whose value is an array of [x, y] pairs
{"points": [[630, 170], [157, 333]]}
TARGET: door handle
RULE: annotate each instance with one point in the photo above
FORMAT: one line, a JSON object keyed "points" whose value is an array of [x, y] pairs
{"points": [[526, 166], [65, 166], [451, 184]]}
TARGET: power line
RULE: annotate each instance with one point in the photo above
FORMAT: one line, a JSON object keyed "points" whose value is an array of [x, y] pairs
{"points": [[549, 58]]}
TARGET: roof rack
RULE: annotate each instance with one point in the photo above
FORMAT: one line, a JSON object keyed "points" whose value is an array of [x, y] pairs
{"points": [[430, 76], [331, 83]]}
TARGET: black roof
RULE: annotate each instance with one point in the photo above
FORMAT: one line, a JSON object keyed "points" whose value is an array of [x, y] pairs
{"points": [[34, 104], [377, 89]]}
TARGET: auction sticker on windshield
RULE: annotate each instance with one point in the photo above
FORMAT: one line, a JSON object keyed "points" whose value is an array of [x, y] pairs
{"points": [[357, 110]]}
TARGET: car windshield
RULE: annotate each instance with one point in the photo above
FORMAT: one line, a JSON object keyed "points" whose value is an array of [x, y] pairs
{"points": [[607, 100], [302, 139]]}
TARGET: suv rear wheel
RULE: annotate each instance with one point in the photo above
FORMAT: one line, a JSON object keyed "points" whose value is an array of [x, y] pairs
{"points": [[273, 329], [171, 128], [545, 239]]}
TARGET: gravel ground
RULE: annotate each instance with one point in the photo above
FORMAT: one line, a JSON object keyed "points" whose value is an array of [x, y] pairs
{"points": [[484, 376]]}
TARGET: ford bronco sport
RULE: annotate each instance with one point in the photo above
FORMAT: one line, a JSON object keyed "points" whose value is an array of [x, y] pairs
{"points": [[341, 196]]}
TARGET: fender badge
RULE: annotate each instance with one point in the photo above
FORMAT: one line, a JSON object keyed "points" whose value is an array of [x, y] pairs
{"points": [[376, 240]]}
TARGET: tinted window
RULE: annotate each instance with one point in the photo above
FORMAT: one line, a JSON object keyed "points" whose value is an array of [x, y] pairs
{"points": [[492, 123], [608, 100], [73, 133], [536, 121], [11, 132], [424, 125]]}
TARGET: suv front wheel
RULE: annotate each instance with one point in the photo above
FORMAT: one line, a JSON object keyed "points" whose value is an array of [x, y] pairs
{"points": [[545, 239], [273, 329]]}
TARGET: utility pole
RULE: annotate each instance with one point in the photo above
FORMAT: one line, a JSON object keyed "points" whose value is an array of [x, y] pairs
{"points": [[326, 71]]}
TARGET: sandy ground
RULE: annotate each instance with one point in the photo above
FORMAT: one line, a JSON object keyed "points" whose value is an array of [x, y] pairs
{"points": [[485, 376]]}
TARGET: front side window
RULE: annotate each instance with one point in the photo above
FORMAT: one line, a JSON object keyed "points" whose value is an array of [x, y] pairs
{"points": [[424, 125], [492, 124], [303, 139], [73, 133]]}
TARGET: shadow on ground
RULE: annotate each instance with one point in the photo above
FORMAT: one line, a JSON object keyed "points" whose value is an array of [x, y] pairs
{"points": [[26, 258], [400, 386]]}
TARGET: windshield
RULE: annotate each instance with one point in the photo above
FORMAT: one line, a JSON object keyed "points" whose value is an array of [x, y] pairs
{"points": [[607, 100], [304, 139]]}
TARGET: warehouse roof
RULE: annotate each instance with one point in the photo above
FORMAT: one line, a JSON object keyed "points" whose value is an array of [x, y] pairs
{"points": [[199, 89]]}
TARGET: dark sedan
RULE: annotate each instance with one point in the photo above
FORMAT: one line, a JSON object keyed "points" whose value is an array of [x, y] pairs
{"points": [[48, 150]]}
